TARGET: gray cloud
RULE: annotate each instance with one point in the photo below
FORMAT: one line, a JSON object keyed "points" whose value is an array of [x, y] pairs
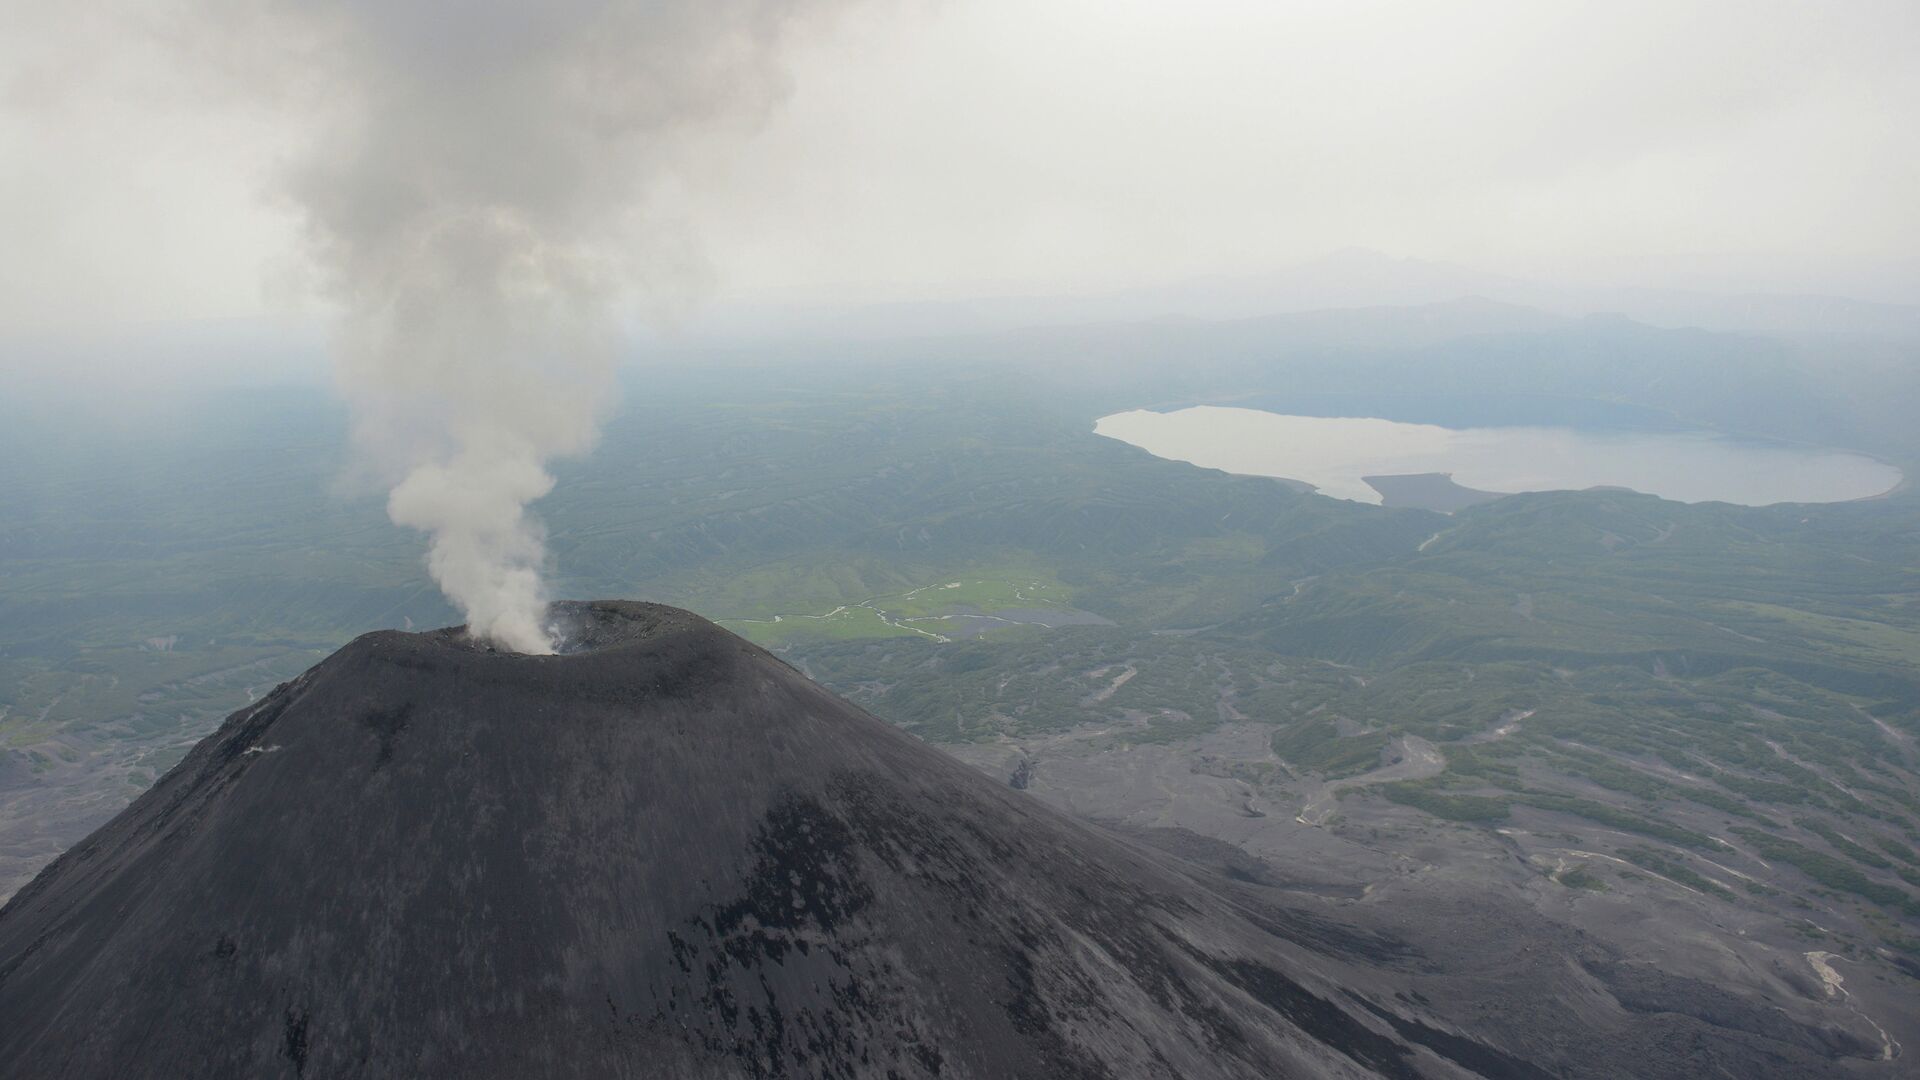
{"points": [[939, 150]]}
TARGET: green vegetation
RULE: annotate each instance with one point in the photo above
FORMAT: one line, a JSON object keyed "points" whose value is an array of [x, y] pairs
{"points": [[1829, 871], [1433, 797], [1672, 870], [1318, 745], [973, 603], [1581, 878], [1841, 844], [1422, 795], [1623, 820]]}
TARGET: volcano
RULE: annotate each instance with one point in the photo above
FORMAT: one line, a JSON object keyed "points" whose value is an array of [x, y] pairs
{"points": [[661, 853]]}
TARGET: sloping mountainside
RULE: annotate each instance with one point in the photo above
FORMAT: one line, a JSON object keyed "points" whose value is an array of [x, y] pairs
{"points": [[665, 853]]}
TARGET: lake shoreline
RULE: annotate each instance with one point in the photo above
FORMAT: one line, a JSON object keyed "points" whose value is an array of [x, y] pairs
{"points": [[1399, 464]]}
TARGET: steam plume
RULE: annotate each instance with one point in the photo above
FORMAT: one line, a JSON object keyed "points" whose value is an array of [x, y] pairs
{"points": [[479, 200]]}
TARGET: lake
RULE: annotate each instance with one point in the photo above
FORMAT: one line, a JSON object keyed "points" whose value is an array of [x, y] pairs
{"points": [[1374, 461]]}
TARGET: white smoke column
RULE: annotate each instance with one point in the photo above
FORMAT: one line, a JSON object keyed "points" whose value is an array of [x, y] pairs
{"points": [[478, 202]]}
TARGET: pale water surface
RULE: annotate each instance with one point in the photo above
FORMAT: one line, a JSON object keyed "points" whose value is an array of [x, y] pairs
{"points": [[1333, 454]]}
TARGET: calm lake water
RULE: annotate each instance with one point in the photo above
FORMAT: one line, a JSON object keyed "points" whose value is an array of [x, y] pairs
{"points": [[1333, 454]]}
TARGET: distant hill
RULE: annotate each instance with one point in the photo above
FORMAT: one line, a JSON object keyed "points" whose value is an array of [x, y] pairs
{"points": [[1353, 278]]}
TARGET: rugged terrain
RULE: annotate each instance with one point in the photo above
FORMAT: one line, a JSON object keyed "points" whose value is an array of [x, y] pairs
{"points": [[1688, 735], [665, 852]]}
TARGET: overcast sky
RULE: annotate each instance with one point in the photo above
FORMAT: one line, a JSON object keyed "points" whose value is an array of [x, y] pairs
{"points": [[953, 148]]}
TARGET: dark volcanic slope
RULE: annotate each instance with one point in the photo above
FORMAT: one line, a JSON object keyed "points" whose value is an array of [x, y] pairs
{"points": [[664, 855]]}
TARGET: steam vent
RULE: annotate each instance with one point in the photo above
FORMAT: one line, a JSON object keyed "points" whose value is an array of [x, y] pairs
{"points": [[662, 854]]}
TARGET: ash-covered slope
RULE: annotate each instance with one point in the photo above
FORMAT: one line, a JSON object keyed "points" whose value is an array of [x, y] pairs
{"points": [[663, 855]]}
